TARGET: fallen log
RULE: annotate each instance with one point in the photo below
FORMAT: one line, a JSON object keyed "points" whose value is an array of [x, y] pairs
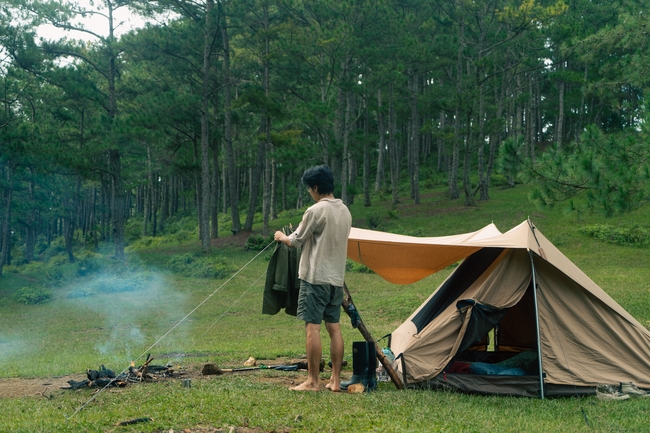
{"points": [[99, 374], [79, 384]]}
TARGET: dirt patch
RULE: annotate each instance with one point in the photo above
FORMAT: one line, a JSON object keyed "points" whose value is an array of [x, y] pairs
{"points": [[38, 387], [237, 240], [50, 386]]}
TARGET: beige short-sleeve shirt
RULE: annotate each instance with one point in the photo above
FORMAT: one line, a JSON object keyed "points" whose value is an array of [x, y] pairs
{"points": [[323, 235]]}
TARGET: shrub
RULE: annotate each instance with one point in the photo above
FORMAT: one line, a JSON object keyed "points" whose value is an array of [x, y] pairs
{"points": [[290, 213], [191, 265], [182, 236], [56, 247], [631, 235], [176, 224], [374, 220], [54, 274], [10, 269], [115, 283], [88, 264], [33, 295], [393, 214], [257, 242], [151, 242], [59, 260], [498, 180]]}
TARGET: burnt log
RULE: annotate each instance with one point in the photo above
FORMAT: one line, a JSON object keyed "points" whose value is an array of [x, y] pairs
{"points": [[103, 372], [79, 384], [107, 381]]}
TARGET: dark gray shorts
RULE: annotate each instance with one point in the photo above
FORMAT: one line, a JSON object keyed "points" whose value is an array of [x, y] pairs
{"points": [[318, 302]]}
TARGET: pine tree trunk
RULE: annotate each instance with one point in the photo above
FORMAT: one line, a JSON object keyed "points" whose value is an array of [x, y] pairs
{"points": [[6, 217], [274, 183], [148, 198], [495, 137], [30, 238], [560, 117], [441, 144], [366, 160], [381, 126], [214, 198], [227, 139], [117, 203], [414, 142], [345, 162], [284, 191], [114, 155], [454, 193], [483, 183], [467, 185], [258, 170], [198, 186], [266, 201], [204, 208], [392, 147], [152, 193], [93, 217]]}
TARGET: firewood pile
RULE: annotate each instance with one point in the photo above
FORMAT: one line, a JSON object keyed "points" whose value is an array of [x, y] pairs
{"points": [[104, 377]]}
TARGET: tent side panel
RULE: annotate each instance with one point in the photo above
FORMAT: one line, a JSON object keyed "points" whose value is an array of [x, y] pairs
{"points": [[585, 341], [501, 285], [464, 276]]}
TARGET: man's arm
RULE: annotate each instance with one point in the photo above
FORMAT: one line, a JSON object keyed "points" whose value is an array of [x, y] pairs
{"points": [[281, 237]]}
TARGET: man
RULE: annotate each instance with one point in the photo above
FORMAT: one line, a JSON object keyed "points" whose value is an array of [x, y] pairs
{"points": [[323, 234]]}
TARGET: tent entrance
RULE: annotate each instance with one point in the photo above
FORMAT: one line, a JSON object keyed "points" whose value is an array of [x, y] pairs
{"points": [[506, 330], [495, 335]]}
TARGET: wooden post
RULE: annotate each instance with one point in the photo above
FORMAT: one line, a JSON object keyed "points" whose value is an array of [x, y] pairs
{"points": [[347, 301]]}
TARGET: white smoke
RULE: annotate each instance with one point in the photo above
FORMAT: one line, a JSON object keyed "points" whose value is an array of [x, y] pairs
{"points": [[135, 309]]}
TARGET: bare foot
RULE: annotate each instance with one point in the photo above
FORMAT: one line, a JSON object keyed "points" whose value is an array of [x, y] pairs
{"points": [[334, 387], [306, 386]]}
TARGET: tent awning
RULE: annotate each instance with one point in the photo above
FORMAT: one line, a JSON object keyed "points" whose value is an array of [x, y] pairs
{"points": [[402, 259]]}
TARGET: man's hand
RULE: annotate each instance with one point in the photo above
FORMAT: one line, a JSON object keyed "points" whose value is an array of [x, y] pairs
{"points": [[281, 237]]}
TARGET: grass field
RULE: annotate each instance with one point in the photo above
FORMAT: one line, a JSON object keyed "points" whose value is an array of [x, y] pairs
{"points": [[83, 327]]}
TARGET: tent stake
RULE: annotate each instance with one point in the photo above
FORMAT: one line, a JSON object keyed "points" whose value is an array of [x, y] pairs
{"points": [[539, 342], [347, 301]]}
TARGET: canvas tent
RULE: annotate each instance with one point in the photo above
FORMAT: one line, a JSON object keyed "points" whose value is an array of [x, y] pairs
{"points": [[488, 312]]}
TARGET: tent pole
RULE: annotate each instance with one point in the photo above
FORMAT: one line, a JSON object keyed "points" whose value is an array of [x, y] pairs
{"points": [[539, 341], [347, 301]]}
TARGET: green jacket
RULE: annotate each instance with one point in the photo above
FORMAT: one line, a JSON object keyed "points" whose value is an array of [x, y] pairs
{"points": [[282, 284]]}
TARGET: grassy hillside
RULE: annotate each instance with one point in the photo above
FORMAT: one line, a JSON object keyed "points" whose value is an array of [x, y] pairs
{"points": [[188, 309]]}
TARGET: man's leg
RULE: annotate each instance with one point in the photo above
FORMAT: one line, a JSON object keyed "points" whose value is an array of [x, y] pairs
{"points": [[336, 355], [314, 354]]}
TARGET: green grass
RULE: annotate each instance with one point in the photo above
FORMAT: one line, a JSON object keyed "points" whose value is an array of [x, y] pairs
{"points": [[245, 401], [70, 334]]}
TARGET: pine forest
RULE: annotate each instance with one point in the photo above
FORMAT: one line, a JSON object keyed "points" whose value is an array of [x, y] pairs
{"points": [[212, 110]]}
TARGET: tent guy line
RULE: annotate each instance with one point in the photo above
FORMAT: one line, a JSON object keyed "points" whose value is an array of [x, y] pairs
{"points": [[148, 350], [228, 309]]}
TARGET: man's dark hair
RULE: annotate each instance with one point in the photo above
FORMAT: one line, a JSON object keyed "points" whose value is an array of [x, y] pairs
{"points": [[320, 176]]}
